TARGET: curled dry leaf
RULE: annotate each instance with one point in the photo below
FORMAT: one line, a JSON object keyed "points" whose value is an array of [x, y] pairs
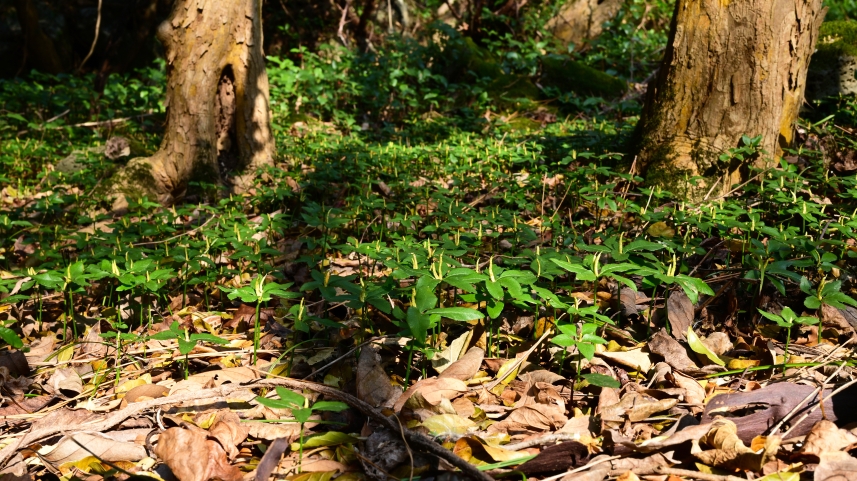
{"points": [[431, 391], [229, 431], [81, 445], [634, 359], [193, 457], [373, 384], [466, 367], [680, 313], [672, 351], [835, 466], [728, 451], [824, 437], [531, 418], [635, 407]]}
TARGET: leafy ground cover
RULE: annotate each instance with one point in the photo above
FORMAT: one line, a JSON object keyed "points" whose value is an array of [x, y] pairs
{"points": [[501, 280]]}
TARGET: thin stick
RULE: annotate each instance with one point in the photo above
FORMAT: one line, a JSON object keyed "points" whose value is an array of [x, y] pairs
{"points": [[803, 418], [94, 40], [803, 401]]}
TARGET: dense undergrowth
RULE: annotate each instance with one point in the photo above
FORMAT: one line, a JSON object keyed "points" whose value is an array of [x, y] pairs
{"points": [[402, 205]]}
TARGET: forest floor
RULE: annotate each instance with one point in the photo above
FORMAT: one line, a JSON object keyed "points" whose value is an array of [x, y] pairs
{"points": [[498, 296]]}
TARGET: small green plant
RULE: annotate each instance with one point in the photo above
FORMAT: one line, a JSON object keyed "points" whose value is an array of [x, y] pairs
{"points": [[582, 336], [186, 340], [258, 292], [301, 409], [787, 318]]}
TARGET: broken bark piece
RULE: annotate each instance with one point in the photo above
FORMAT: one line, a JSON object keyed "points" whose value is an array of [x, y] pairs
{"points": [[755, 412]]}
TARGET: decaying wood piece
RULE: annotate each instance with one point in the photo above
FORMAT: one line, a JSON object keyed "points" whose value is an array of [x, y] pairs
{"points": [[755, 412], [218, 119], [730, 69]]}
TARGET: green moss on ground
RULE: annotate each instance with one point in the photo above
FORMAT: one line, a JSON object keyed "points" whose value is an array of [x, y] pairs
{"points": [[836, 39], [463, 57], [569, 76]]}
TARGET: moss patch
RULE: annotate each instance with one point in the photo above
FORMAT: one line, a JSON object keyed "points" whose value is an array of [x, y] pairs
{"points": [[834, 64], [837, 39], [569, 76], [464, 59]]}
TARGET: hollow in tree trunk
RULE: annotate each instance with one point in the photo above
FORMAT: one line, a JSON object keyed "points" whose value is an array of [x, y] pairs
{"points": [[218, 126], [731, 68]]}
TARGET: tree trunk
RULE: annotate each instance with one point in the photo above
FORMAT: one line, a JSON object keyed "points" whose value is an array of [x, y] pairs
{"points": [[731, 68], [218, 120], [40, 48]]}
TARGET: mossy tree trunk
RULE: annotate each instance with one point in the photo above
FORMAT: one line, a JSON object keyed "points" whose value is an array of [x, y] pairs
{"points": [[731, 68], [218, 125]]}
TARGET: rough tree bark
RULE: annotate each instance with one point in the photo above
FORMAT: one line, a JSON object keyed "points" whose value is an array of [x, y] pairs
{"points": [[731, 68], [218, 125]]}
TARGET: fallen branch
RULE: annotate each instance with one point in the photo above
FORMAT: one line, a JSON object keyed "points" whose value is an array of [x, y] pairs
{"points": [[416, 440]]}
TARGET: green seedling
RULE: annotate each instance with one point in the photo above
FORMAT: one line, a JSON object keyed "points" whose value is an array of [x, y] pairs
{"points": [[787, 318], [186, 340], [301, 409], [258, 292]]}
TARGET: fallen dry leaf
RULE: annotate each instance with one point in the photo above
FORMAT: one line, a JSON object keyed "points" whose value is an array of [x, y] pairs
{"points": [[635, 407], [835, 466], [373, 384], [466, 367], [824, 437], [728, 451], [635, 359], [81, 445], [431, 391], [193, 457], [680, 313]]}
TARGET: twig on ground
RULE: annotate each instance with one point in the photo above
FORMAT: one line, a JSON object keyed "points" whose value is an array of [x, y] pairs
{"points": [[417, 440]]}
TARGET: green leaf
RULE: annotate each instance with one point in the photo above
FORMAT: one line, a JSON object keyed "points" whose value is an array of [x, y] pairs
{"points": [[494, 288], [11, 338], [587, 350], [698, 347], [418, 324], [290, 396], [185, 347], [457, 313], [330, 438], [582, 273], [329, 406], [601, 380]]}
